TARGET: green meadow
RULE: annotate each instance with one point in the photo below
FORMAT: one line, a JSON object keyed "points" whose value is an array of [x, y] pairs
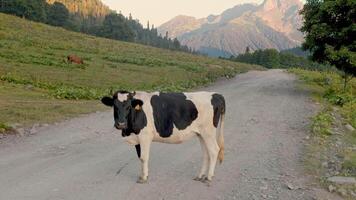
{"points": [[37, 85]]}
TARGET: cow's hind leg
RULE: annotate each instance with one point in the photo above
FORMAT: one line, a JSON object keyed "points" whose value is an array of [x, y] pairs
{"points": [[204, 167], [213, 150]]}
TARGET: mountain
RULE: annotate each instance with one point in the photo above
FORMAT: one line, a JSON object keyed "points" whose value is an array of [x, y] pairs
{"points": [[85, 8], [272, 24], [180, 25]]}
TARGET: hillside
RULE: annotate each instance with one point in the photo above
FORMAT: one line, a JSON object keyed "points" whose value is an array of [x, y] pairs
{"points": [[37, 84], [272, 24], [85, 8]]}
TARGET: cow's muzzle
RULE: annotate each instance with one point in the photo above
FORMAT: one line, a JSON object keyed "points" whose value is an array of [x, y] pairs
{"points": [[120, 126]]}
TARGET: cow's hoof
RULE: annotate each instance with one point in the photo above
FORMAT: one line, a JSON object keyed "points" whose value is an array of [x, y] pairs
{"points": [[207, 181], [199, 178], [141, 180]]}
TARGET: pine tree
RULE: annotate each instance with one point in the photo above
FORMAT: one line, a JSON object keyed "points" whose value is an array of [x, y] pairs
{"points": [[58, 15], [247, 50]]}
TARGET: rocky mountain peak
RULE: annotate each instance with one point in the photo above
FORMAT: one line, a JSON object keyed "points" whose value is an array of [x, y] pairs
{"points": [[272, 24], [271, 4], [282, 5], [180, 25]]}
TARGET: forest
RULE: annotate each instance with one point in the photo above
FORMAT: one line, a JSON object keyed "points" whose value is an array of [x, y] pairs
{"points": [[271, 58], [113, 25]]}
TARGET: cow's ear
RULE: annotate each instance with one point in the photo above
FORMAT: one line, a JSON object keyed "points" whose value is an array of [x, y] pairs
{"points": [[108, 101], [137, 104]]}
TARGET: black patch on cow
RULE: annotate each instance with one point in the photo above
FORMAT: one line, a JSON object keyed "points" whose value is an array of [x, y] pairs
{"points": [[136, 102], [136, 119], [218, 103], [138, 150], [172, 109]]}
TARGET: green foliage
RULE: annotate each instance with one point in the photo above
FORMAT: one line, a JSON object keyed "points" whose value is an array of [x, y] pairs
{"points": [[70, 92], [58, 15], [112, 26], [30, 9], [58, 90], [297, 51], [4, 128], [271, 58], [321, 123], [330, 31], [115, 26], [330, 146], [38, 85], [336, 97], [329, 86]]}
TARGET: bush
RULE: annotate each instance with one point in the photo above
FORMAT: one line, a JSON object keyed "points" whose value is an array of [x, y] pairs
{"points": [[330, 88], [4, 128], [337, 97], [321, 123]]}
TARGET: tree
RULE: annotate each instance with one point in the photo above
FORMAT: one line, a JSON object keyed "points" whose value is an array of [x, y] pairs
{"points": [[36, 10], [330, 29], [176, 44], [247, 50], [58, 15], [271, 58], [115, 26], [30, 9]]}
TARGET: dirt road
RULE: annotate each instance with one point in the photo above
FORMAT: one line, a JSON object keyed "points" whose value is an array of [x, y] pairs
{"points": [[85, 158]]}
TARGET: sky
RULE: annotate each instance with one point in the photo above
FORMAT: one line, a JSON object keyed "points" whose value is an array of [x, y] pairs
{"points": [[160, 11]]}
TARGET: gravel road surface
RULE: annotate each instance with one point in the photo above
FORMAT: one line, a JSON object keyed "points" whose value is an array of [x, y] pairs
{"points": [[85, 158]]}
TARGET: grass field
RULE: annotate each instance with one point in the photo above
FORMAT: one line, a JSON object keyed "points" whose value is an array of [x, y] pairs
{"points": [[331, 149], [38, 85]]}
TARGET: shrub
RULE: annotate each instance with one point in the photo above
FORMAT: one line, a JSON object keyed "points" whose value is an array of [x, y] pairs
{"points": [[321, 123], [4, 128]]}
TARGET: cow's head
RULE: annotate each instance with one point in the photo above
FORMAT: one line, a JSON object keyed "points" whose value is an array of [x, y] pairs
{"points": [[125, 106]]}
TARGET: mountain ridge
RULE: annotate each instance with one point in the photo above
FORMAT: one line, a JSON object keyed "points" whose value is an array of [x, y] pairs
{"points": [[272, 24]]}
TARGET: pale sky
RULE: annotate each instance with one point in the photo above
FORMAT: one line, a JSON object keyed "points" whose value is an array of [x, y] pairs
{"points": [[160, 11]]}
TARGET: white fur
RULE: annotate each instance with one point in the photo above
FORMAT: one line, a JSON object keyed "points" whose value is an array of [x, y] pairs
{"points": [[122, 97]]}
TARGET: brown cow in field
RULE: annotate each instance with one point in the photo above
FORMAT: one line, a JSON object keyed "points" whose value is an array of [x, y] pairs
{"points": [[75, 59]]}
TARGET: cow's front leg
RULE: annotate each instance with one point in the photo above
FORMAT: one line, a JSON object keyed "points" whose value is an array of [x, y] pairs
{"points": [[145, 144]]}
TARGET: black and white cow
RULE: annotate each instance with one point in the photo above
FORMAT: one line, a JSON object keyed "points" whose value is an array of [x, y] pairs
{"points": [[171, 118]]}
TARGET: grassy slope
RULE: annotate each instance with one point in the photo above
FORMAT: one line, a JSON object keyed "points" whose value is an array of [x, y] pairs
{"points": [[331, 149], [37, 85]]}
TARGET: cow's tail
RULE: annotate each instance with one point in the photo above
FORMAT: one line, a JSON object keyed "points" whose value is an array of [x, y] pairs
{"points": [[220, 132]]}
